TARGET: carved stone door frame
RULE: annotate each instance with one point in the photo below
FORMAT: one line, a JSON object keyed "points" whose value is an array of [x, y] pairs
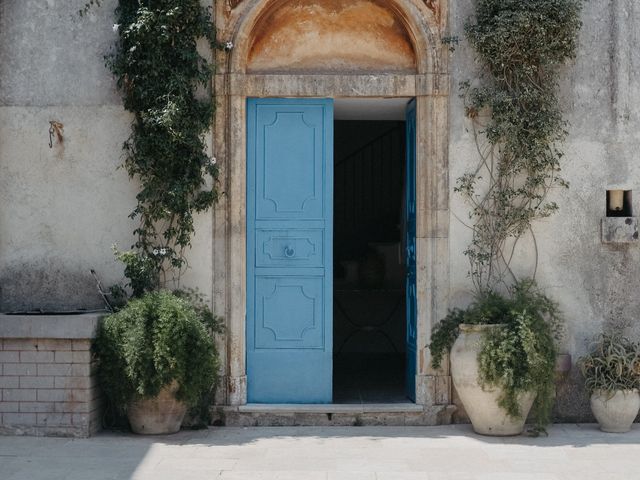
{"points": [[425, 23]]}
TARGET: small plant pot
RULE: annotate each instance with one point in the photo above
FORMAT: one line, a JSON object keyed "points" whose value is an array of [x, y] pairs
{"points": [[481, 404], [615, 411], [158, 415]]}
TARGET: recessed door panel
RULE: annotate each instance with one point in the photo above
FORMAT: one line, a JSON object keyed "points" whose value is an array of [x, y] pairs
{"points": [[289, 312], [290, 248], [289, 169]]}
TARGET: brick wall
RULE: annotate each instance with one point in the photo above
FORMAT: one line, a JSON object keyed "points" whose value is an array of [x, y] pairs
{"points": [[48, 387]]}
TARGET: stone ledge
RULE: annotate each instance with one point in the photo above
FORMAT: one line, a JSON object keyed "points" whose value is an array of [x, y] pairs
{"points": [[233, 416], [354, 408], [81, 326], [336, 84]]}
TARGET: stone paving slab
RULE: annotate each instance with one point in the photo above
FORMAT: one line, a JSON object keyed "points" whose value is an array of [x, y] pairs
{"points": [[454, 452]]}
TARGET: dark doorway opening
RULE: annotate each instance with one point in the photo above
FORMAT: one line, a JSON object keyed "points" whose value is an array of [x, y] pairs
{"points": [[369, 314]]}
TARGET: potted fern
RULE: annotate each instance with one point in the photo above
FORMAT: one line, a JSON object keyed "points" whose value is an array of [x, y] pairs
{"points": [[157, 358], [612, 376], [502, 353]]}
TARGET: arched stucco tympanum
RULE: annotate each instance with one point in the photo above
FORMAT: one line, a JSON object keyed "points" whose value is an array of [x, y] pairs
{"points": [[332, 36], [418, 22]]}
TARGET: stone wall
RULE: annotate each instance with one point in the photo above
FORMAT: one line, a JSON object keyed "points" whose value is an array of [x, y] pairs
{"points": [[47, 381], [62, 208]]}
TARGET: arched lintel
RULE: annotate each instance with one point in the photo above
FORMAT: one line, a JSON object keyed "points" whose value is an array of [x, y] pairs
{"points": [[420, 23]]}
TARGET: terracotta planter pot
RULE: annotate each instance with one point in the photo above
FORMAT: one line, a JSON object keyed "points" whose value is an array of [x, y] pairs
{"points": [[158, 415], [481, 404], [615, 411]]}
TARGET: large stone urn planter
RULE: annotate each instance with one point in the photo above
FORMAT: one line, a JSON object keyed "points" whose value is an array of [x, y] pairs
{"points": [[162, 414], [481, 404], [615, 411]]}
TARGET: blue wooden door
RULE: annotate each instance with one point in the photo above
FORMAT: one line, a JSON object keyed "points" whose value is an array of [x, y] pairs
{"points": [[289, 250], [410, 251]]}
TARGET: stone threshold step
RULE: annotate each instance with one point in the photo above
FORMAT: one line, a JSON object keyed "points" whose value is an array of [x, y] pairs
{"points": [[349, 408], [341, 415]]}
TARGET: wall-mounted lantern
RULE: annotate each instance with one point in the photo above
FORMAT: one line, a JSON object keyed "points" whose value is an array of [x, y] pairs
{"points": [[616, 200], [619, 203]]}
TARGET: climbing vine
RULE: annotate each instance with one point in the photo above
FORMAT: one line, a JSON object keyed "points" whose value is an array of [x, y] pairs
{"points": [[518, 128], [159, 70], [518, 125]]}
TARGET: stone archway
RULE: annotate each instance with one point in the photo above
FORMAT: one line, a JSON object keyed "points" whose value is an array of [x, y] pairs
{"points": [[422, 20], [419, 69]]}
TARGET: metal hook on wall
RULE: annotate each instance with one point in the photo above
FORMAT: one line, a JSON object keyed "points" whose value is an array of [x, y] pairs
{"points": [[57, 129]]}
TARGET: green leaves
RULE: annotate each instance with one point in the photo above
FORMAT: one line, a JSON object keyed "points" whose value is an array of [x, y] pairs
{"points": [[141, 270], [520, 44], [444, 335], [154, 340], [612, 364], [518, 358], [521, 358], [158, 69]]}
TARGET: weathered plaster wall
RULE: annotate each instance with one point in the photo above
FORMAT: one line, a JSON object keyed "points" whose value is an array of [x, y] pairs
{"points": [[62, 208], [331, 36], [596, 285]]}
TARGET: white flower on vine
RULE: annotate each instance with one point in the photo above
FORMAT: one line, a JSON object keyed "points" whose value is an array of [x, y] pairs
{"points": [[163, 251], [116, 27], [156, 251], [228, 45], [213, 161]]}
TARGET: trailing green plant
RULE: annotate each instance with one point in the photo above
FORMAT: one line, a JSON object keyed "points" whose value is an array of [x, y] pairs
{"points": [[518, 358], [152, 341], [518, 125], [198, 301], [613, 363], [159, 69], [488, 308]]}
